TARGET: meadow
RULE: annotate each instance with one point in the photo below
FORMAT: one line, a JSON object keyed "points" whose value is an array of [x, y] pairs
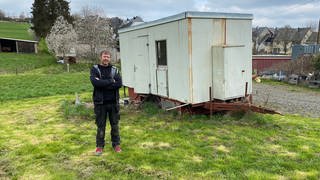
{"points": [[44, 135], [16, 30]]}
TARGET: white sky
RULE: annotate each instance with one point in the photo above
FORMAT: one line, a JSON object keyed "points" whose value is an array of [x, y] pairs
{"points": [[271, 13]]}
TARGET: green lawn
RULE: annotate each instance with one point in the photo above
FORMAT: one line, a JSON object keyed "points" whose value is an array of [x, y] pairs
{"points": [[37, 75], [19, 63], [16, 30], [291, 87], [27, 86], [45, 136], [38, 141]]}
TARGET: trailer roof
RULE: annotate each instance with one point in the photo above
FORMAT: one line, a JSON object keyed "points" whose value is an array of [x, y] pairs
{"points": [[188, 14]]}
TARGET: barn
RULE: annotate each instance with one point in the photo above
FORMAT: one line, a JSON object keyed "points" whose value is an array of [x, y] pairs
{"points": [[190, 58], [17, 45]]}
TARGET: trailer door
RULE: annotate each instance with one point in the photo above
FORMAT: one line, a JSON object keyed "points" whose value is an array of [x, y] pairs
{"points": [[141, 66]]}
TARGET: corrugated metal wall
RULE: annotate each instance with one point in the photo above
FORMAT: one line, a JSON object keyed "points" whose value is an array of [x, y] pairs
{"points": [[262, 63], [300, 50]]}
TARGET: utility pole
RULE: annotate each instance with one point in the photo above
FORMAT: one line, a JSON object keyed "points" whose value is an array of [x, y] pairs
{"points": [[318, 38]]}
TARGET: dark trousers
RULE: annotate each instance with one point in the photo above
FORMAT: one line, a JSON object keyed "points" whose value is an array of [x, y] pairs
{"points": [[102, 111]]}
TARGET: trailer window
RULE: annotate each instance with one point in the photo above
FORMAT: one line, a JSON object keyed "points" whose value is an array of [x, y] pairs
{"points": [[161, 48]]}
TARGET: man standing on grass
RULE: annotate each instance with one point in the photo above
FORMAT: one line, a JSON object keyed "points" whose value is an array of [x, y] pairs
{"points": [[106, 81]]}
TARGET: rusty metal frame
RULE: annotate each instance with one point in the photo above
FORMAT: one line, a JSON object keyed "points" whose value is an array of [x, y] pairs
{"points": [[239, 104]]}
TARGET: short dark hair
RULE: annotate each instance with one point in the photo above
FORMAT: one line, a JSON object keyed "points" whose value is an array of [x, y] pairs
{"points": [[105, 52]]}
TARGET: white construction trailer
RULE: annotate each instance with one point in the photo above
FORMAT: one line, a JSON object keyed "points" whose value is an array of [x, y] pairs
{"points": [[191, 57]]}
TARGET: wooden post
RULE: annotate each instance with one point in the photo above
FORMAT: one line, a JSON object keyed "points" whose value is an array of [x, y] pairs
{"points": [[210, 96], [17, 47], [68, 67], [318, 38], [246, 91]]}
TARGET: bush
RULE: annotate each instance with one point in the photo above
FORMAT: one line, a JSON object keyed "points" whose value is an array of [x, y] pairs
{"points": [[43, 48], [316, 62]]}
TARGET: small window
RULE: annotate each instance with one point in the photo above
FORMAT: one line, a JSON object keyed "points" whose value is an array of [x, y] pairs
{"points": [[161, 48]]}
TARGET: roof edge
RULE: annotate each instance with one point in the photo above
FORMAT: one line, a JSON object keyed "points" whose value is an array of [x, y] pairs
{"points": [[24, 40], [218, 15], [188, 14], [154, 23]]}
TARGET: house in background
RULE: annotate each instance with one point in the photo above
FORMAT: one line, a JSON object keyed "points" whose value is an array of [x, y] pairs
{"points": [[302, 35], [18, 45], [132, 22], [283, 40], [280, 40], [313, 38], [262, 38]]}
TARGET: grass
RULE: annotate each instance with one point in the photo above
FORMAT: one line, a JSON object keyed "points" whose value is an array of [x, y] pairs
{"points": [[30, 76], [16, 30], [20, 63], [40, 141], [291, 87], [15, 87], [45, 136]]}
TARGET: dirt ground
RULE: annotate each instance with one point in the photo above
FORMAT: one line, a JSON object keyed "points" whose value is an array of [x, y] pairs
{"points": [[287, 99]]}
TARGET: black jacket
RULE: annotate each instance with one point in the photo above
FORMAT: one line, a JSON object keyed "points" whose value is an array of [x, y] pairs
{"points": [[106, 84]]}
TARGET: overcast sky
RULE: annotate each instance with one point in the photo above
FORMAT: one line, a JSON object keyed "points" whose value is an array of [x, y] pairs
{"points": [[271, 13]]}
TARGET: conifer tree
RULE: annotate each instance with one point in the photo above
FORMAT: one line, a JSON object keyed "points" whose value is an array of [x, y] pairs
{"points": [[45, 13]]}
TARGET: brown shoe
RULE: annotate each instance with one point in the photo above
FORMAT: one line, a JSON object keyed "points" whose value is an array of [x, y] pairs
{"points": [[117, 148]]}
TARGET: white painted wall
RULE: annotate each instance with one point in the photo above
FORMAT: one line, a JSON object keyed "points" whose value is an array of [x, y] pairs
{"points": [[177, 48]]}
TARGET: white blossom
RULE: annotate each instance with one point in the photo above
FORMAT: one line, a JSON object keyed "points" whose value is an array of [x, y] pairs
{"points": [[62, 37]]}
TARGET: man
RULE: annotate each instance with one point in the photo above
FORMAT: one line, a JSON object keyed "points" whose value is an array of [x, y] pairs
{"points": [[106, 81]]}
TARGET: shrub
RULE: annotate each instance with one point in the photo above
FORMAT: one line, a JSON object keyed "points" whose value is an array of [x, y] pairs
{"points": [[316, 62], [43, 48]]}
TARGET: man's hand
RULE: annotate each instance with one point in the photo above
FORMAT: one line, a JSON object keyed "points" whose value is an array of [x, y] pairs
{"points": [[113, 80]]}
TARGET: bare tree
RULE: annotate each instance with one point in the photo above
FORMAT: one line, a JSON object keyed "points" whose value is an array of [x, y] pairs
{"points": [[22, 16], [316, 62], [313, 25], [2, 14], [62, 37], [287, 32], [301, 66], [94, 33]]}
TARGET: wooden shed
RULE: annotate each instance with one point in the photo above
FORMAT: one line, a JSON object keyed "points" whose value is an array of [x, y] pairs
{"points": [[261, 63], [17, 45], [189, 57]]}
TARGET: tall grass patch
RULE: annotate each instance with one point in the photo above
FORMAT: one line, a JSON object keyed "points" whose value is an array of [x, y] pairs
{"points": [[14, 87], [80, 111], [12, 63], [16, 30]]}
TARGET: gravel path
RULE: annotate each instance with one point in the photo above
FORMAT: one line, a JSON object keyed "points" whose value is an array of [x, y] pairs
{"points": [[287, 99]]}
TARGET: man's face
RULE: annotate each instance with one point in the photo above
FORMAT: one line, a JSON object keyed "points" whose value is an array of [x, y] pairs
{"points": [[105, 59]]}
